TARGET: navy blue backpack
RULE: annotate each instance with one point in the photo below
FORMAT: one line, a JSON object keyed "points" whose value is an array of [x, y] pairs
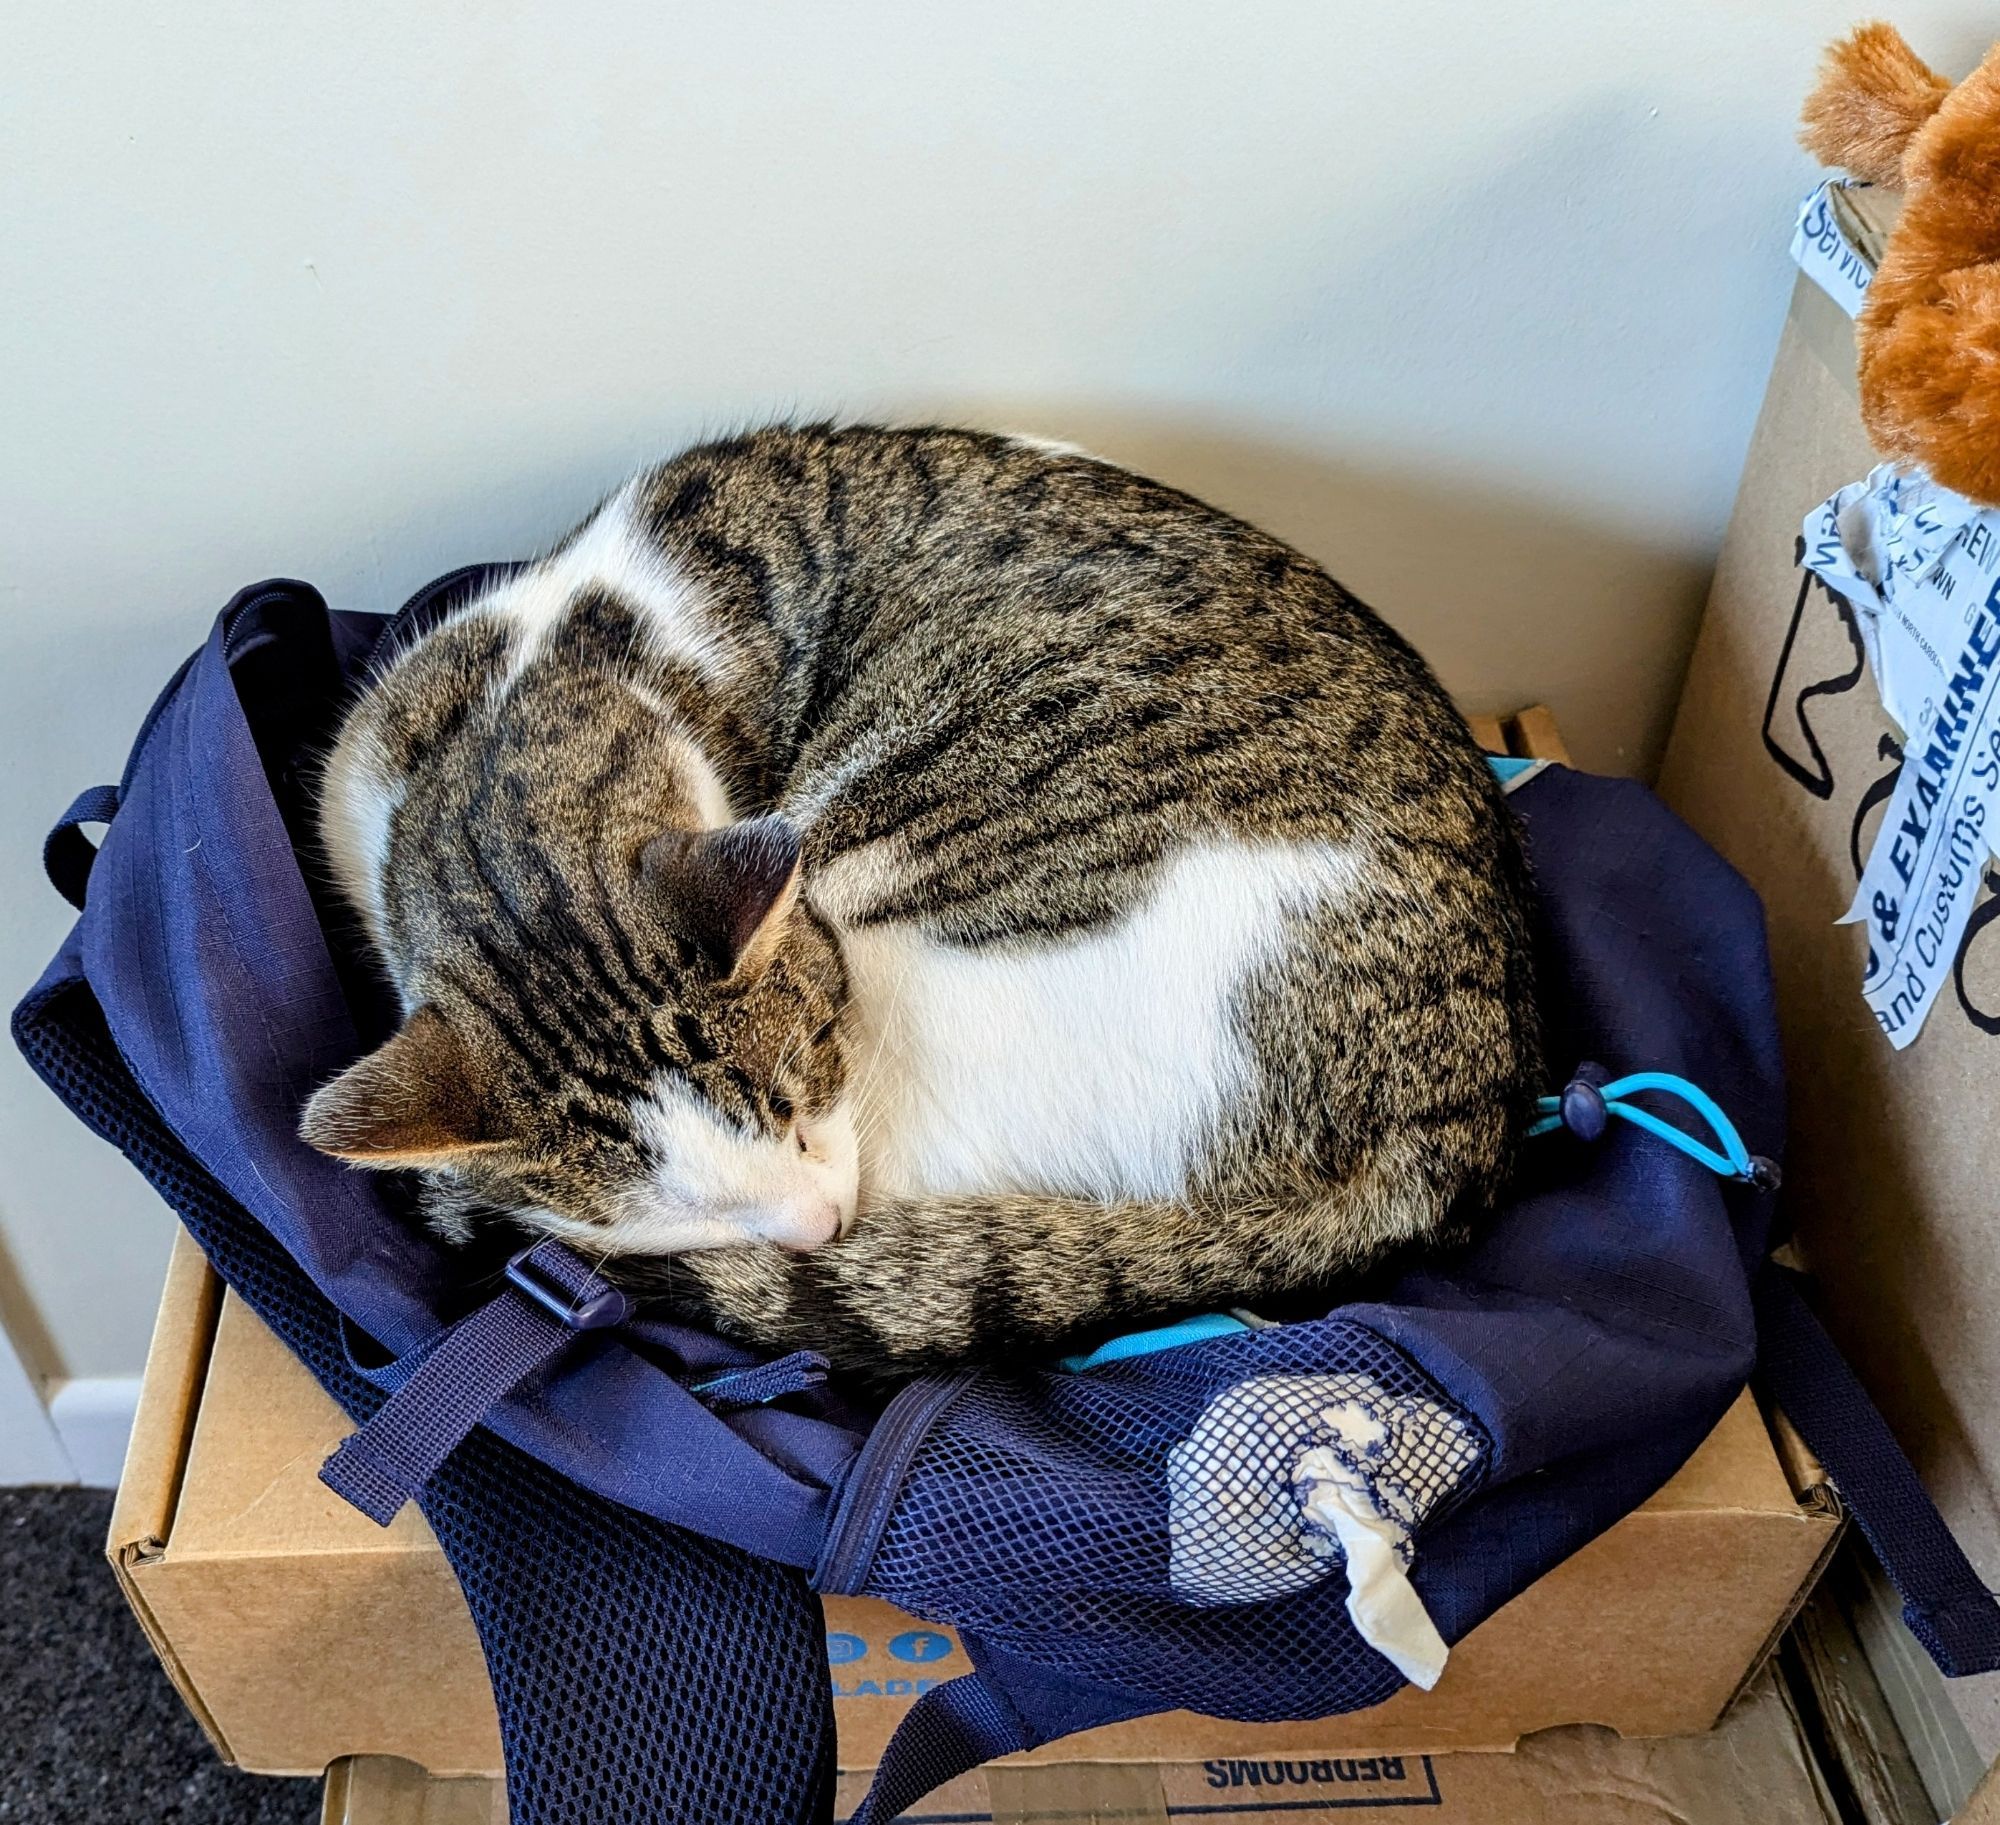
{"points": [[639, 1513]]}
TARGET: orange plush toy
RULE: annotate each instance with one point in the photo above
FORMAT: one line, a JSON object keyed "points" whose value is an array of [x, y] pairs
{"points": [[1929, 333]]}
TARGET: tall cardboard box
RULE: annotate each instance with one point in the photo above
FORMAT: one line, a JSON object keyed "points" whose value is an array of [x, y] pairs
{"points": [[1782, 756]]}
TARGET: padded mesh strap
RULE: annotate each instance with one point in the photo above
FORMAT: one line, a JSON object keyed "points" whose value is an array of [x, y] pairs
{"points": [[1946, 1606], [952, 1728]]}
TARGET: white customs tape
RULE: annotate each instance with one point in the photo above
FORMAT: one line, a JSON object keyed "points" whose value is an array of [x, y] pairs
{"points": [[1824, 247], [1921, 568]]}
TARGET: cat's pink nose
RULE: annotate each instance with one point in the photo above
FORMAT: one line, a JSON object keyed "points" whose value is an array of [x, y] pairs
{"points": [[811, 1224]]}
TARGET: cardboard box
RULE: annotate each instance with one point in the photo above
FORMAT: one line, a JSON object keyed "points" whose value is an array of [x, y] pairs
{"points": [[1782, 756], [296, 1630], [1754, 1769], [299, 1633]]}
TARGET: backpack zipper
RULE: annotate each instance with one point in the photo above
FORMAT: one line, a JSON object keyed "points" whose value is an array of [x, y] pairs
{"points": [[868, 1497]]}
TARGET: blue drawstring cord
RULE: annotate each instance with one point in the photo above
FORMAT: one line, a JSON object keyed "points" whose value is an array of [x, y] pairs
{"points": [[1587, 1103], [1592, 1097]]}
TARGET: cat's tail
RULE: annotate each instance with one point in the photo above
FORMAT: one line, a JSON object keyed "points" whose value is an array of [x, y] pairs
{"points": [[1017, 1280]]}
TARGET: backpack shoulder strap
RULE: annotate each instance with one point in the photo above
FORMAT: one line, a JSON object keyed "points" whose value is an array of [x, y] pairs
{"points": [[549, 1297], [1946, 1606], [950, 1730]]}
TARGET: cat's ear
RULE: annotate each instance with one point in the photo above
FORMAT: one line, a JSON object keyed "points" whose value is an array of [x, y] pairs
{"points": [[730, 890], [413, 1102]]}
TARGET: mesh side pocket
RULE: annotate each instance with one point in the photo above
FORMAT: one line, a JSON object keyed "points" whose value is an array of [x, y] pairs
{"points": [[1146, 1524], [1241, 1513]]}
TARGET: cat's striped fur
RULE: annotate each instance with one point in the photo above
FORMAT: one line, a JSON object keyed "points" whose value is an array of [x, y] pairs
{"points": [[1162, 940]]}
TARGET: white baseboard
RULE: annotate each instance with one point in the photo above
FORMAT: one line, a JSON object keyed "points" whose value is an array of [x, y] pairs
{"points": [[30, 1450], [93, 1417]]}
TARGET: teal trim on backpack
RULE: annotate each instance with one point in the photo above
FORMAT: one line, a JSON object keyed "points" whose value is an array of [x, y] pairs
{"points": [[1512, 771], [1733, 1161], [1167, 1337]]}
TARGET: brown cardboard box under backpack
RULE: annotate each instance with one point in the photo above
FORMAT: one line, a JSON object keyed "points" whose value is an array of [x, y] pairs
{"points": [[300, 1633]]}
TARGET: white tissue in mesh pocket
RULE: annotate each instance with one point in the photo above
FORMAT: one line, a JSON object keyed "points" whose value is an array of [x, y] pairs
{"points": [[1251, 1488]]}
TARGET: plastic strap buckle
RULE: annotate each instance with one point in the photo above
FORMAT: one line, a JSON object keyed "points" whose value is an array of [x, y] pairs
{"points": [[551, 1296], [575, 1298]]}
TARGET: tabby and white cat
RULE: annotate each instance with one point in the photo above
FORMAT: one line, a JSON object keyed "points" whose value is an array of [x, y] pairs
{"points": [[922, 895]]}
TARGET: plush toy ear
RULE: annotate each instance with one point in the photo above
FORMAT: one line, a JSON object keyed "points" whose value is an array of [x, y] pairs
{"points": [[1872, 96], [730, 889], [414, 1102]]}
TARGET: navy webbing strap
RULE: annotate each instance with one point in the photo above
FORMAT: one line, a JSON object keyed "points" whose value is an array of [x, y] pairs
{"points": [[67, 854], [1946, 1606], [550, 1297], [952, 1728]]}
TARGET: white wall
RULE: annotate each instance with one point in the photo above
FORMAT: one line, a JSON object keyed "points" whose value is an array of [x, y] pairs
{"points": [[1472, 303]]}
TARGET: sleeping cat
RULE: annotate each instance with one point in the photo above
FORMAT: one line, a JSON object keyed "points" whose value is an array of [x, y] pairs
{"points": [[924, 896]]}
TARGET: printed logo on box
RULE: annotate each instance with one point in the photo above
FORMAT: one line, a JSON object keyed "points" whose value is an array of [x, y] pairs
{"points": [[913, 1647], [1303, 1790], [1824, 653], [920, 1645], [1339, 1770], [883, 1688]]}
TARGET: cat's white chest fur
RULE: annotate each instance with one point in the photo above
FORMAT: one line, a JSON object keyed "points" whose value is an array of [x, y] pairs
{"points": [[1095, 1066]]}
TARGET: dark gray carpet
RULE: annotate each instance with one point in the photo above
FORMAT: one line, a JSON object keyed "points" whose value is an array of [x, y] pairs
{"points": [[90, 1730]]}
